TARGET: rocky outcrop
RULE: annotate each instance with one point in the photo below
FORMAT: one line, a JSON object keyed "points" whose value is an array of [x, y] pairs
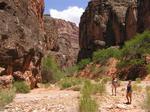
{"points": [[108, 23], [143, 15], [63, 38], [21, 35]]}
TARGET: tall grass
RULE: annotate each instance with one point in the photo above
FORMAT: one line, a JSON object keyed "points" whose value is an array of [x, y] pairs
{"points": [[147, 99], [69, 82], [50, 70], [6, 96], [21, 87], [87, 102]]}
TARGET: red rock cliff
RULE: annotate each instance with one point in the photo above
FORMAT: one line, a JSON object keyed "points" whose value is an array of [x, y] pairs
{"points": [[110, 23], [62, 40], [21, 38]]}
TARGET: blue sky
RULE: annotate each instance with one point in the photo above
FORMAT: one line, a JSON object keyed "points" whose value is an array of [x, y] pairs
{"points": [[63, 4], [69, 10]]}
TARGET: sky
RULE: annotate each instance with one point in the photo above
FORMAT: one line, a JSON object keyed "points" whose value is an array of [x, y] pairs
{"points": [[69, 10]]}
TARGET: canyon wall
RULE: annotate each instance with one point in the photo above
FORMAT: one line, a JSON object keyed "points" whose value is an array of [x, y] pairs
{"points": [[108, 23], [63, 38], [21, 39]]}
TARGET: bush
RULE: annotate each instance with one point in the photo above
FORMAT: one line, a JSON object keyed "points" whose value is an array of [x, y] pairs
{"points": [[104, 54], [134, 50], [99, 88], [138, 80], [89, 88], [148, 68], [71, 70], [82, 64], [137, 88], [21, 87], [147, 99], [69, 82], [51, 71], [6, 96], [138, 45], [131, 62], [87, 104]]}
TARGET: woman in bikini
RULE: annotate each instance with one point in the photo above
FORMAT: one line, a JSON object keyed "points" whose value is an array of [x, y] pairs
{"points": [[129, 93]]}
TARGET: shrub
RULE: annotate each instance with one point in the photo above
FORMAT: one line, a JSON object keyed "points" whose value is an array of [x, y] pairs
{"points": [[137, 87], [71, 70], [138, 45], [21, 87], [82, 64], [104, 54], [134, 50], [51, 70], [138, 80], [6, 96], [147, 99], [148, 68], [87, 104], [99, 88], [89, 88], [69, 82]]}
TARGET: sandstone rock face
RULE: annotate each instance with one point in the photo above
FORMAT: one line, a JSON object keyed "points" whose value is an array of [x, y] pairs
{"points": [[63, 38], [143, 15], [111, 22], [21, 35]]}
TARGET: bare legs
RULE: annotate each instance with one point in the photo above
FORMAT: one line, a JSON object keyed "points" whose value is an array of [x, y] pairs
{"points": [[114, 90], [129, 97]]}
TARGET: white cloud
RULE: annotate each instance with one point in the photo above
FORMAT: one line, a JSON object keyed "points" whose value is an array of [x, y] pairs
{"points": [[72, 13]]}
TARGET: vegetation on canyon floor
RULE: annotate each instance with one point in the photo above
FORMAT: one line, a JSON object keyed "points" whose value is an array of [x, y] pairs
{"points": [[133, 53]]}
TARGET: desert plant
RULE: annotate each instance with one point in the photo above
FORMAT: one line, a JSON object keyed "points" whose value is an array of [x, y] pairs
{"points": [[21, 87], [82, 64], [87, 104], [147, 99], [69, 82], [71, 70], [104, 54], [137, 87], [51, 71], [6, 96], [148, 68], [138, 80]]}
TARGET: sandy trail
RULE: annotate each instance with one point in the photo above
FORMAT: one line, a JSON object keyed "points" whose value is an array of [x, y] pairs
{"points": [[44, 100], [111, 103]]}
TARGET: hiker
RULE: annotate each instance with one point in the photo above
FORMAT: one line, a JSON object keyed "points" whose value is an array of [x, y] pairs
{"points": [[114, 85], [129, 93]]}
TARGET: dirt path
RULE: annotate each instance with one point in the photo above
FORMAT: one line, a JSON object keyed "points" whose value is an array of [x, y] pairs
{"points": [[44, 100], [117, 103], [55, 100]]}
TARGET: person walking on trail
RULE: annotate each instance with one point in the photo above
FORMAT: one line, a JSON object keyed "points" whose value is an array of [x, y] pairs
{"points": [[114, 85], [129, 93]]}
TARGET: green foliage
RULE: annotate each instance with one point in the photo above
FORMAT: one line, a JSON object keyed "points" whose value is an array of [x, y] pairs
{"points": [[82, 64], [52, 71], [138, 80], [6, 96], [93, 88], [69, 82], [137, 87], [71, 70], [148, 68], [147, 99], [21, 87], [138, 45], [131, 62], [104, 54], [87, 104]]}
